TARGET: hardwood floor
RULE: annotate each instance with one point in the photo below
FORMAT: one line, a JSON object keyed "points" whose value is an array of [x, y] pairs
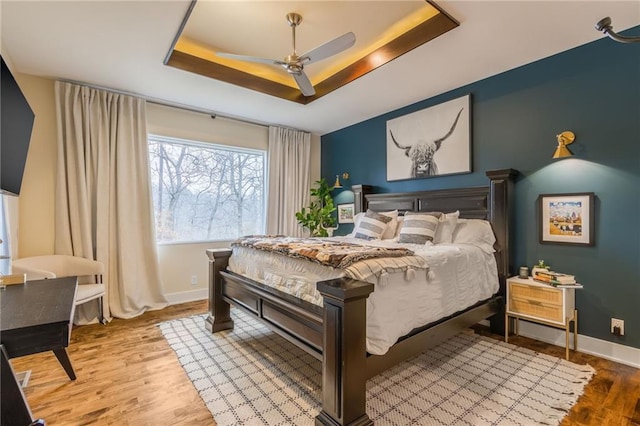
{"points": [[128, 375]]}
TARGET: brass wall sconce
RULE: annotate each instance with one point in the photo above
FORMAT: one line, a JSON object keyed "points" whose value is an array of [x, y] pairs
{"points": [[565, 138], [337, 184]]}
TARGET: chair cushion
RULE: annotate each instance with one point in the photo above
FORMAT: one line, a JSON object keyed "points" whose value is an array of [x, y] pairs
{"points": [[88, 292]]}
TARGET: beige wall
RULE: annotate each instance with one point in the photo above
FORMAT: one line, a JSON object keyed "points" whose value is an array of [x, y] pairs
{"points": [[37, 194], [178, 262]]}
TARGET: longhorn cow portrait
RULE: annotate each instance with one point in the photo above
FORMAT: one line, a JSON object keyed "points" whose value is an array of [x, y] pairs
{"points": [[422, 152]]}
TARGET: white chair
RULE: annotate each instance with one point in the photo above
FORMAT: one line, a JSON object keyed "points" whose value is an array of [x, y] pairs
{"points": [[58, 265]]}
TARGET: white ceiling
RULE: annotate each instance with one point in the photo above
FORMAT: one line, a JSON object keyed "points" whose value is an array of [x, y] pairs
{"points": [[122, 45]]}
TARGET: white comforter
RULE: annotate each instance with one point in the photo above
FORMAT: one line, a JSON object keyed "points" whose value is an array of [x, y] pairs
{"points": [[459, 275]]}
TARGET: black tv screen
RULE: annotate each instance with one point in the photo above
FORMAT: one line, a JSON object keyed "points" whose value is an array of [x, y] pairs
{"points": [[16, 121]]}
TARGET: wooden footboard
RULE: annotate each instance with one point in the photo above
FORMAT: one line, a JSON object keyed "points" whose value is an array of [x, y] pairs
{"points": [[335, 334]]}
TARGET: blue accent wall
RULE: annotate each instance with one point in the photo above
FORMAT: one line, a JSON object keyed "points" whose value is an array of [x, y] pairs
{"points": [[592, 90]]}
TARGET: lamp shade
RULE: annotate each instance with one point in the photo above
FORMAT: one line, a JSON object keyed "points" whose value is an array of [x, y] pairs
{"points": [[562, 151], [337, 183], [565, 138]]}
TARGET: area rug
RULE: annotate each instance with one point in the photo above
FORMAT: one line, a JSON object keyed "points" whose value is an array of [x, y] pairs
{"points": [[252, 376]]}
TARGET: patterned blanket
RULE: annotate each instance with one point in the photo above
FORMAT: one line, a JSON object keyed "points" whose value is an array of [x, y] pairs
{"points": [[358, 261]]}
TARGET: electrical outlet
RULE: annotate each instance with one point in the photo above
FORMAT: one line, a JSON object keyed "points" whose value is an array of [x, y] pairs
{"points": [[194, 279], [619, 324]]}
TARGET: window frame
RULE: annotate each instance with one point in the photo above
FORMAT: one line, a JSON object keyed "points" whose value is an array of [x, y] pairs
{"points": [[209, 145]]}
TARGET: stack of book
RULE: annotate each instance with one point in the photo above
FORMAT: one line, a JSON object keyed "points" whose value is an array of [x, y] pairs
{"points": [[556, 279]]}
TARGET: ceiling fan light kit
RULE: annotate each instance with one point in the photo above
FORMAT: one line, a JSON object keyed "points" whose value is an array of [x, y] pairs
{"points": [[295, 64]]}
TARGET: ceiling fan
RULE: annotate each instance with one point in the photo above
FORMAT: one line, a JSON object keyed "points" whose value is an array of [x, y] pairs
{"points": [[293, 63]]}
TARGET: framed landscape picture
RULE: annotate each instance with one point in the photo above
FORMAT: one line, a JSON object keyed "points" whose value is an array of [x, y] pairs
{"points": [[345, 213], [431, 142], [567, 218]]}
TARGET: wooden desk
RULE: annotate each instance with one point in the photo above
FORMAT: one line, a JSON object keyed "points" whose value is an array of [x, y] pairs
{"points": [[37, 317]]}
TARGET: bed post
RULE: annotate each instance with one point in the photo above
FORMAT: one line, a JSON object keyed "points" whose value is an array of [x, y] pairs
{"points": [[501, 195], [360, 193], [219, 317], [344, 368]]}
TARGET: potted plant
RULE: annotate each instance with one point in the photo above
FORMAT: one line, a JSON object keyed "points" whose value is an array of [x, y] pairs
{"points": [[318, 216], [541, 266]]}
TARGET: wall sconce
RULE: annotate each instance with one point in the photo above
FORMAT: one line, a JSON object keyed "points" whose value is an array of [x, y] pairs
{"points": [[337, 184], [565, 138]]}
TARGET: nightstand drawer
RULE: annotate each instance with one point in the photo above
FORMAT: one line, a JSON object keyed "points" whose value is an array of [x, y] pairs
{"points": [[537, 294], [534, 308]]}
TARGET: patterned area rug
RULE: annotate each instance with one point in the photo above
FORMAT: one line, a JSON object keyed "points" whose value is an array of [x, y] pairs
{"points": [[252, 376]]}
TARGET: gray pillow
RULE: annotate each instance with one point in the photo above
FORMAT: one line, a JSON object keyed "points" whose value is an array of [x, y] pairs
{"points": [[419, 228], [372, 226]]}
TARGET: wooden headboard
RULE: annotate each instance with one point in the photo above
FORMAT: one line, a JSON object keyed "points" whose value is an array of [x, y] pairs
{"points": [[493, 203]]}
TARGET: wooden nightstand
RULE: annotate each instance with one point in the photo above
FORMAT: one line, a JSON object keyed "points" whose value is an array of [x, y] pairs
{"points": [[533, 301]]}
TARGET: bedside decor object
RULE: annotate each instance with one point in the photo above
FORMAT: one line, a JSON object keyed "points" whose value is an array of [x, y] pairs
{"points": [[330, 230], [566, 218], [540, 266], [565, 138], [431, 142], [524, 272], [345, 213]]}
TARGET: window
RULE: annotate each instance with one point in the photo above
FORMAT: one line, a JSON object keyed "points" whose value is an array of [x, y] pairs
{"points": [[205, 192]]}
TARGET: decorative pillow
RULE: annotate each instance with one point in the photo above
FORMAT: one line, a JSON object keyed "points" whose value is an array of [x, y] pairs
{"points": [[447, 225], [400, 221], [475, 231], [392, 226], [372, 226], [418, 228], [356, 221]]}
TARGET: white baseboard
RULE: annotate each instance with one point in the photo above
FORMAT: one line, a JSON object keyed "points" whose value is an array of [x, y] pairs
{"points": [[187, 296], [590, 345]]}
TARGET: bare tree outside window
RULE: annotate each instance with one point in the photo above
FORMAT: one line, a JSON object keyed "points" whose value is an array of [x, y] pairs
{"points": [[205, 192]]}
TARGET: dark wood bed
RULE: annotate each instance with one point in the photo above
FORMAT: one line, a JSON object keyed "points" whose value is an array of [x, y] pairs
{"points": [[336, 333]]}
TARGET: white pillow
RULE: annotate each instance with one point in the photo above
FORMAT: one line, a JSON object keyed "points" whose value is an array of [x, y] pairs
{"points": [[447, 225], [475, 231], [356, 221], [418, 228], [372, 225]]}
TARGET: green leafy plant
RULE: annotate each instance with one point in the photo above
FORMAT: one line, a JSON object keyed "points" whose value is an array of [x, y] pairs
{"points": [[319, 214], [542, 265]]}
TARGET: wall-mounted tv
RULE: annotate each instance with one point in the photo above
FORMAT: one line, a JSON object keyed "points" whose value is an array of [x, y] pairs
{"points": [[16, 123]]}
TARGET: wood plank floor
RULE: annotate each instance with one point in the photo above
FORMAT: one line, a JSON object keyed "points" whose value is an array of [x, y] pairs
{"points": [[128, 375]]}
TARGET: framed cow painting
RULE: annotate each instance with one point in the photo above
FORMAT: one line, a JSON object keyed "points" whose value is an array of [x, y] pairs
{"points": [[431, 142]]}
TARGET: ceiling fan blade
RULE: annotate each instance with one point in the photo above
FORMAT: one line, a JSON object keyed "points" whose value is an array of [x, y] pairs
{"points": [[250, 58], [329, 48], [304, 84]]}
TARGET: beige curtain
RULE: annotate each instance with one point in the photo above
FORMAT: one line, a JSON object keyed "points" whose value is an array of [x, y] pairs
{"points": [[289, 157], [103, 196]]}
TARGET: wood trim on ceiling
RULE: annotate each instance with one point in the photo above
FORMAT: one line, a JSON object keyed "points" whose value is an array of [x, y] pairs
{"points": [[417, 36]]}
